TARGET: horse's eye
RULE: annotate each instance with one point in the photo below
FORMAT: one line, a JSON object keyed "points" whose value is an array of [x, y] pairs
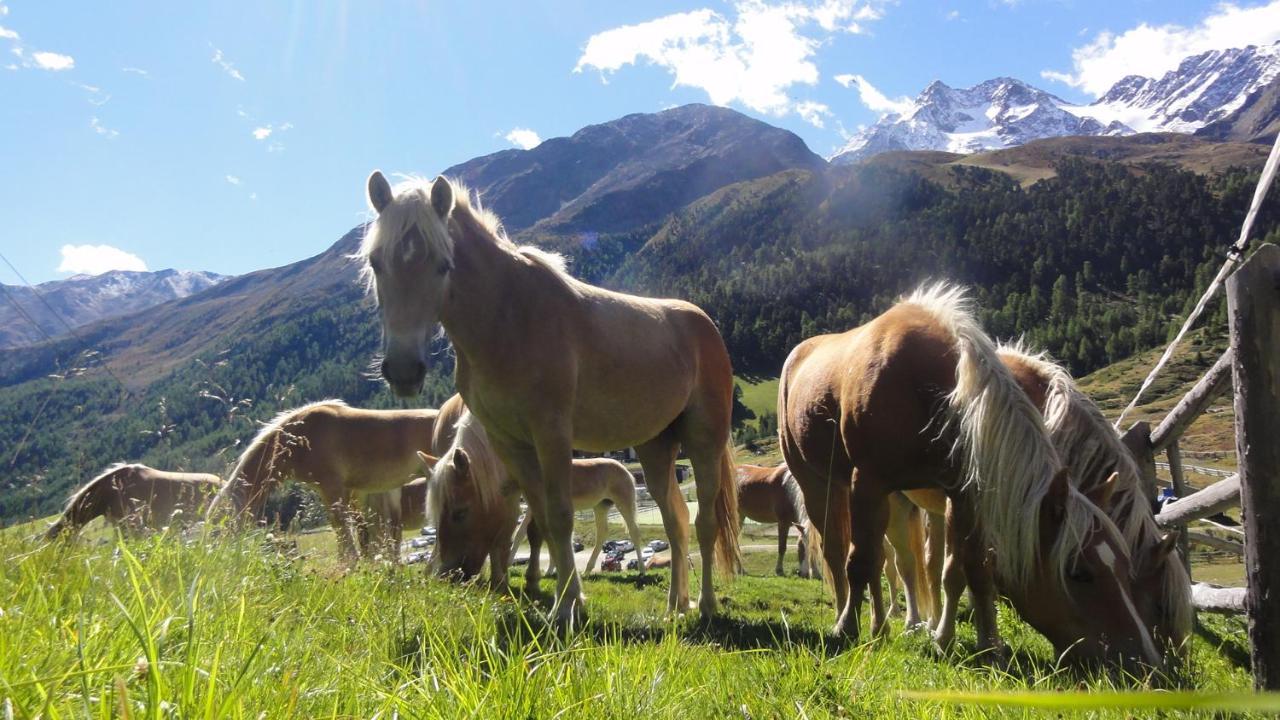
{"points": [[444, 267], [1079, 574], [458, 515]]}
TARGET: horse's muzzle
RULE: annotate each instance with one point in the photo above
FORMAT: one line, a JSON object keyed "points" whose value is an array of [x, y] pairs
{"points": [[405, 378]]}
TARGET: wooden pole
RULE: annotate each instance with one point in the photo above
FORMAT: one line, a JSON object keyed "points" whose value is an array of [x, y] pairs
{"points": [[1212, 500], [1193, 404], [1138, 439], [1253, 304], [1174, 454]]}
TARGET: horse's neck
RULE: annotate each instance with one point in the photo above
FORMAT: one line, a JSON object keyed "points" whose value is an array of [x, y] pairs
{"points": [[486, 276]]}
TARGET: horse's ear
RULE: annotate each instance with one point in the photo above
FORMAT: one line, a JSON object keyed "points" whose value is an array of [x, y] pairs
{"points": [[1100, 494], [442, 196], [428, 461], [1166, 546], [380, 195], [1055, 499], [462, 462]]}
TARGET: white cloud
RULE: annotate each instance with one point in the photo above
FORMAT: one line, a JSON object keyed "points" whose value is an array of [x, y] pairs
{"points": [[1151, 51], [53, 61], [754, 59], [103, 130], [873, 98], [253, 196], [275, 147], [523, 138], [97, 259], [953, 15], [8, 34], [233, 179], [262, 133], [813, 112], [135, 71], [225, 64]]}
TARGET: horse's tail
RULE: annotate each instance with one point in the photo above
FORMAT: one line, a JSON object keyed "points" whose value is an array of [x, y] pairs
{"points": [[728, 551], [814, 558], [923, 580]]}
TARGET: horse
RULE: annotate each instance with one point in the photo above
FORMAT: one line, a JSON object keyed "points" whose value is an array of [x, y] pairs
{"points": [[918, 398], [469, 498], [597, 484], [344, 452], [1108, 475], [549, 364], [135, 496], [771, 495]]}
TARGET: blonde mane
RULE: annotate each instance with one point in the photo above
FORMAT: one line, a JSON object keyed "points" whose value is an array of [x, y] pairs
{"points": [[794, 496], [412, 208], [1007, 458], [487, 472], [80, 492], [1093, 451]]}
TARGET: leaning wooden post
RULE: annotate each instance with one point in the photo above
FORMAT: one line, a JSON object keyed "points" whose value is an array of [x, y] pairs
{"points": [[1253, 303], [1174, 454], [1138, 439]]}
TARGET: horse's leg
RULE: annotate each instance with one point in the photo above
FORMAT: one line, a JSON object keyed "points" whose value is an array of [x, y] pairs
{"points": [[935, 555], [891, 575], [802, 551], [555, 458], [828, 507], [657, 458], [784, 529], [522, 531], [338, 503], [868, 516], [904, 558], [533, 571], [953, 580], [601, 511], [499, 563], [977, 569], [706, 473], [627, 508]]}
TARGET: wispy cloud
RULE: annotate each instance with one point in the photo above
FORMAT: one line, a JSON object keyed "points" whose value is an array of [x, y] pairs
{"points": [[135, 71], [953, 15], [754, 58], [103, 130], [523, 138], [262, 133], [234, 180], [96, 96], [1153, 50], [56, 62], [873, 98], [813, 112], [7, 34], [221, 61], [97, 259]]}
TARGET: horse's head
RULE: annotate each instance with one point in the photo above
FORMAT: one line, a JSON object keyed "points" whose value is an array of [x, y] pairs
{"points": [[409, 255], [1080, 596], [467, 528]]}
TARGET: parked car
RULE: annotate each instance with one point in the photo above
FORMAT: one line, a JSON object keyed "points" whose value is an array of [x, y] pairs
{"points": [[429, 531], [619, 546], [612, 562], [577, 545], [421, 542], [417, 557], [658, 545]]}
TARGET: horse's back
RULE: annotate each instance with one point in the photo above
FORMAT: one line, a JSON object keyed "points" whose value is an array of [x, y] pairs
{"points": [[760, 493]]}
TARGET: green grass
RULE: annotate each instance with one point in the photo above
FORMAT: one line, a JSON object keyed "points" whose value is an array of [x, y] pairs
{"points": [[760, 396], [226, 627]]}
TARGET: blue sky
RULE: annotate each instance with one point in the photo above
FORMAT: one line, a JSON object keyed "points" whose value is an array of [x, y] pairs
{"points": [[232, 136]]}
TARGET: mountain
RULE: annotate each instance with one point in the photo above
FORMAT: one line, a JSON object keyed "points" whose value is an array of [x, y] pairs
{"points": [[1257, 119], [49, 308], [1203, 89], [630, 172], [995, 114], [1006, 112]]}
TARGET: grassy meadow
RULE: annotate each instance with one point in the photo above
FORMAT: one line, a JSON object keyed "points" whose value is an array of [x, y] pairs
{"points": [[257, 627]]}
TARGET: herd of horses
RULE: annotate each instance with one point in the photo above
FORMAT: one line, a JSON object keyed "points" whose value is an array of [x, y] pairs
{"points": [[913, 444]]}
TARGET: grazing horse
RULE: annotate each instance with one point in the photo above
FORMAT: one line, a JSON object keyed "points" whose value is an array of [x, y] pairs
{"points": [[549, 363], [771, 495], [918, 398], [344, 452], [598, 484], [136, 496]]}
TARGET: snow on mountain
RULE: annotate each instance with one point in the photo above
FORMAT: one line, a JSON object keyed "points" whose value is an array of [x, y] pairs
{"points": [[1004, 112], [995, 114], [82, 299]]}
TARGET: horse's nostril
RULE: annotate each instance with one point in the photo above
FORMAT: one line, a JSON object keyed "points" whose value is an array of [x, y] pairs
{"points": [[420, 370]]}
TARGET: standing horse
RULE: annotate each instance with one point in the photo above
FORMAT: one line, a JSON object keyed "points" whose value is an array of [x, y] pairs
{"points": [[549, 363], [343, 451], [918, 398], [136, 496], [771, 495], [598, 484]]}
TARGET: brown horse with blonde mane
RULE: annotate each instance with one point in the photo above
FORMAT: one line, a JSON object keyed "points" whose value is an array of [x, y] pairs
{"points": [[549, 363], [135, 496], [344, 452], [918, 398], [771, 495]]}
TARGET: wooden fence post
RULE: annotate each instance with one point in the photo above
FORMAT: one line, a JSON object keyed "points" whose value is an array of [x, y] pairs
{"points": [[1253, 303], [1174, 454], [1138, 439]]}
